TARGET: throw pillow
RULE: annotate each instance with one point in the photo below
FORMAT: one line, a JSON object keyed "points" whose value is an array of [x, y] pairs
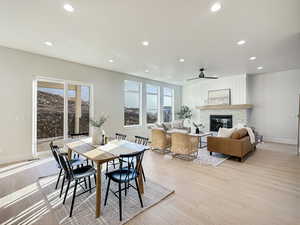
{"points": [[177, 124], [225, 132]]}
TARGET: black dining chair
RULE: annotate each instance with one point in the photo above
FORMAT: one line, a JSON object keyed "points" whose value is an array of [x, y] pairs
{"points": [[76, 162], [118, 137], [78, 175], [130, 165], [142, 141]]}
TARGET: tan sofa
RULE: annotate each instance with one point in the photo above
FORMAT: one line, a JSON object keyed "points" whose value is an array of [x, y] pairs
{"points": [[237, 145]]}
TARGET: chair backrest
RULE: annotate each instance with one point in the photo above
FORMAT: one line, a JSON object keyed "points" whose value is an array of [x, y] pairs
{"points": [[55, 150], [132, 162], [141, 140], [120, 136], [65, 165]]}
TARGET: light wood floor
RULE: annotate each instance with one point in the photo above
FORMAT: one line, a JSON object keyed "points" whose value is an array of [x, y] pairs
{"points": [[264, 190]]}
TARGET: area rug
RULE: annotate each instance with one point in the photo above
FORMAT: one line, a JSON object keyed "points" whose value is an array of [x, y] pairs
{"points": [[84, 207], [205, 158]]}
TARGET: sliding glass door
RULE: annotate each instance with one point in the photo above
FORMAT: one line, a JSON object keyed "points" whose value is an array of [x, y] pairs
{"points": [[61, 110], [78, 110]]}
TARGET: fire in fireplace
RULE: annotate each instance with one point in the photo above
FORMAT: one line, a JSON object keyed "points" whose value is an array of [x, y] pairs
{"points": [[217, 121]]}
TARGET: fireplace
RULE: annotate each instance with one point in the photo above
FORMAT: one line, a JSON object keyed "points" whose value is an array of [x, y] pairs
{"points": [[217, 121]]}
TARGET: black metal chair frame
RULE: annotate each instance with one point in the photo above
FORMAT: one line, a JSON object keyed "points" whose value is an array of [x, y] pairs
{"points": [[119, 137], [69, 175], [133, 163], [142, 141]]}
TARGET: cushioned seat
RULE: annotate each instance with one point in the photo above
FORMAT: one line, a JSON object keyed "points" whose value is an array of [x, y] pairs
{"points": [[122, 175], [83, 172]]}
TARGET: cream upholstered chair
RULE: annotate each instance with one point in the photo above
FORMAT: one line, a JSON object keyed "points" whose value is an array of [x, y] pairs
{"points": [[184, 144], [160, 140]]}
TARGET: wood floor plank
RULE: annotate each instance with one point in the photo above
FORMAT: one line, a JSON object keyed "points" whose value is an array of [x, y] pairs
{"points": [[263, 190]]}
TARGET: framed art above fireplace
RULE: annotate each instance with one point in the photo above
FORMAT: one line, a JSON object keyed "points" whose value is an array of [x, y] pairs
{"points": [[219, 97]]}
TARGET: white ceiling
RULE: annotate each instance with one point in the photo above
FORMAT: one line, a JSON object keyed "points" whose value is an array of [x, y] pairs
{"points": [[99, 30]]}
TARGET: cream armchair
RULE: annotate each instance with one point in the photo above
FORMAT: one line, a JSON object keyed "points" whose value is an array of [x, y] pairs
{"points": [[184, 144], [160, 140]]}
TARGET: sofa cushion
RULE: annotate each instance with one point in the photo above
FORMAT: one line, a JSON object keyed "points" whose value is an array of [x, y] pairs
{"points": [[166, 126], [225, 132], [177, 124], [240, 133]]}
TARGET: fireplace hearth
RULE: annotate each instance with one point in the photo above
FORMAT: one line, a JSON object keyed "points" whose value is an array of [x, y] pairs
{"points": [[218, 121]]}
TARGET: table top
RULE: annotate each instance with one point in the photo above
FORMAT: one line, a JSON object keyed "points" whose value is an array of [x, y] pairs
{"points": [[106, 152]]}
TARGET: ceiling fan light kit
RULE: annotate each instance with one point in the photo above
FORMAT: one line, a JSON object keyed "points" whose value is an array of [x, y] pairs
{"points": [[202, 76]]}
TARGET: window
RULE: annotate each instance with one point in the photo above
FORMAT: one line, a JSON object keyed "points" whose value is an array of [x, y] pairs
{"points": [[132, 107], [152, 96], [168, 105]]}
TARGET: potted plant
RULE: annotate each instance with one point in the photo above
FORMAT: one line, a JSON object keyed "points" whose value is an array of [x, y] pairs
{"points": [[184, 113], [97, 129]]}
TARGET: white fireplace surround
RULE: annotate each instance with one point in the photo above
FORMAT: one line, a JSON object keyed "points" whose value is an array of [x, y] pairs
{"points": [[238, 116]]}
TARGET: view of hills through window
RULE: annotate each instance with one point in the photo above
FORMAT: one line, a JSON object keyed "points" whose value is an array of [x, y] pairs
{"points": [[50, 111], [132, 103], [152, 103]]}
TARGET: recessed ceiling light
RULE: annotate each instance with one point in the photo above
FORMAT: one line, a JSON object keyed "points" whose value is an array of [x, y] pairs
{"points": [[252, 58], [241, 42], [145, 43], [48, 43], [260, 68], [146, 71], [181, 60], [68, 8], [216, 7], [111, 60]]}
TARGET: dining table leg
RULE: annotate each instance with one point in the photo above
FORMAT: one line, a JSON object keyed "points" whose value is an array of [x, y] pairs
{"points": [[69, 153], [98, 190], [141, 181]]}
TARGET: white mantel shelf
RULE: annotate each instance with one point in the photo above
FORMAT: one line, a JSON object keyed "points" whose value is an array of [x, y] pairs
{"points": [[226, 107]]}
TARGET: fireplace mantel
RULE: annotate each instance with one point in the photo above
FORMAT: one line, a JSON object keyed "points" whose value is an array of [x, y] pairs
{"points": [[226, 107]]}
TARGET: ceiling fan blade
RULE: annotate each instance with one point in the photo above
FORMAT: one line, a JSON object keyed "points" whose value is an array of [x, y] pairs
{"points": [[195, 78], [211, 77]]}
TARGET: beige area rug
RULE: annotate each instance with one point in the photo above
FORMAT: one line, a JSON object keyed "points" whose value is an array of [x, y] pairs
{"points": [[84, 206], [203, 157]]}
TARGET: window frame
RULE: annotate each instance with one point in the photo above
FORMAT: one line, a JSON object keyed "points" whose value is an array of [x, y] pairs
{"points": [[172, 102], [140, 92], [158, 108]]}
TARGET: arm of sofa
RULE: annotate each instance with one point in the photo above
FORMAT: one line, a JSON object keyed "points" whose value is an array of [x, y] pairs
{"points": [[229, 146]]}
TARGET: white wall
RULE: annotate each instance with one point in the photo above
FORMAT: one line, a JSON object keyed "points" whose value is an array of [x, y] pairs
{"points": [[275, 98], [195, 93], [18, 70]]}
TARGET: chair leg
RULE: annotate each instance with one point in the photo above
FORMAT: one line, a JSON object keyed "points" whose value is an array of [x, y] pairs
{"points": [[120, 201], [90, 185], [114, 164], [125, 185], [66, 193], [95, 178], [107, 190], [57, 182], [139, 193], [73, 199], [62, 186], [85, 184]]}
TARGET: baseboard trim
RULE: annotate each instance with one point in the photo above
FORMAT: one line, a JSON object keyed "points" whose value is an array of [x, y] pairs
{"points": [[15, 158], [288, 141]]}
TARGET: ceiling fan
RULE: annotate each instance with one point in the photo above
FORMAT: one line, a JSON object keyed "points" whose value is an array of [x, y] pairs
{"points": [[202, 76]]}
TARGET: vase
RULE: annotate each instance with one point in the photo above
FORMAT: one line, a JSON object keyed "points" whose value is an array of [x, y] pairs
{"points": [[96, 137]]}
